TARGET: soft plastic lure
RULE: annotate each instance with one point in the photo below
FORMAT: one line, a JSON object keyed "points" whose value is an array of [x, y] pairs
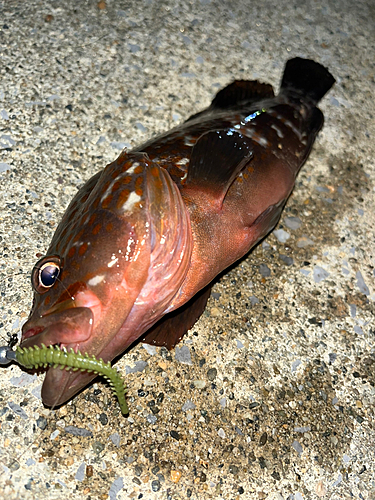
{"points": [[41, 357]]}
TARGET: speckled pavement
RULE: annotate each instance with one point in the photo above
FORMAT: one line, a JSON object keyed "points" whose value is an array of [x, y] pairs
{"points": [[271, 394]]}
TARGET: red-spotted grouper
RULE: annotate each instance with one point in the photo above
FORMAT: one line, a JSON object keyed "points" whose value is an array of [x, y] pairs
{"points": [[139, 244]]}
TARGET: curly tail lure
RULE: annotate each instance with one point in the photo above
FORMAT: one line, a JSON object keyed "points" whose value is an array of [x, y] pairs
{"points": [[41, 357]]}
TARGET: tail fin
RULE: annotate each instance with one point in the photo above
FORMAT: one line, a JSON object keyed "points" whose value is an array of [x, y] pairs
{"points": [[307, 77]]}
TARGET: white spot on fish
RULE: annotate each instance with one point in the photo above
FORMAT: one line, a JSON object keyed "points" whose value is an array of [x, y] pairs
{"points": [[288, 124], [262, 141], [96, 280], [131, 201], [132, 168], [183, 161], [113, 261], [293, 128], [106, 193], [278, 131], [80, 243], [187, 141], [256, 137]]}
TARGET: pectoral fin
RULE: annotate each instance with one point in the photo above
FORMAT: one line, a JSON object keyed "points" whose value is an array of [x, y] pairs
{"points": [[267, 220], [172, 327], [216, 160]]}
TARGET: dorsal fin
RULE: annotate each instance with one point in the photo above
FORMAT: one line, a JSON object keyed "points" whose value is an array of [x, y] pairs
{"points": [[216, 160], [242, 92]]}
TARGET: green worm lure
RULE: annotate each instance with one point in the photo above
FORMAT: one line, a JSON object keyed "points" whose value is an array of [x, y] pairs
{"points": [[41, 357]]}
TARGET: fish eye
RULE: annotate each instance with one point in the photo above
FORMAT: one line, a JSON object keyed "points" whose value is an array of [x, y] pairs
{"points": [[48, 274], [45, 273]]}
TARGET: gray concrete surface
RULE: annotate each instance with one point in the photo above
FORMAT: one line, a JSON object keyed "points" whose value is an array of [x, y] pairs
{"points": [[271, 394]]}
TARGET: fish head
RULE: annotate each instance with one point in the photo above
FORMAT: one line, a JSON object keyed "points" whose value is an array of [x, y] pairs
{"points": [[98, 288]]}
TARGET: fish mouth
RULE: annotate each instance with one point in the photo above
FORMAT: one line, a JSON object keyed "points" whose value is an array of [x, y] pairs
{"points": [[70, 329]]}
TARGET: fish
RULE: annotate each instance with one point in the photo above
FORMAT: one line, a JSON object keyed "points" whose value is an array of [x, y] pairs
{"points": [[136, 251]]}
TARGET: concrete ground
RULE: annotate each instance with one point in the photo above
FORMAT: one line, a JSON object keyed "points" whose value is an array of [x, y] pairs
{"points": [[271, 394]]}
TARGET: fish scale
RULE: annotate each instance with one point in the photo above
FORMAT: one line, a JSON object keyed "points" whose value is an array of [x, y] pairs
{"points": [[139, 245]]}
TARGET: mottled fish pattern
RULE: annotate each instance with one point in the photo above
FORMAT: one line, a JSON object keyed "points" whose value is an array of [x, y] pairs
{"points": [[135, 253]]}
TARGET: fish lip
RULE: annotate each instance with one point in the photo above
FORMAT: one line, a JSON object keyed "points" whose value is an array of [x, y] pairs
{"points": [[67, 328]]}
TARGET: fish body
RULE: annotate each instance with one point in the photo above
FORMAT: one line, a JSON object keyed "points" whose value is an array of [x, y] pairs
{"points": [[141, 241]]}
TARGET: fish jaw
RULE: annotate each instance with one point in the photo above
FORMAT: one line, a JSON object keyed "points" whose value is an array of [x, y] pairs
{"points": [[60, 385]]}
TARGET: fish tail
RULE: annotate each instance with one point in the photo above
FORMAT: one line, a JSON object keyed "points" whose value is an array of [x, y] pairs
{"points": [[307, 77]]}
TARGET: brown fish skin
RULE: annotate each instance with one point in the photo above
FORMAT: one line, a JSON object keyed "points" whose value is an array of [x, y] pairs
{"points": [[144, 237]]}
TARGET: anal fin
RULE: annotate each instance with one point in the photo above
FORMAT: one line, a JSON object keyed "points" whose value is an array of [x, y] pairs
{"points": [[170, 329]]}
